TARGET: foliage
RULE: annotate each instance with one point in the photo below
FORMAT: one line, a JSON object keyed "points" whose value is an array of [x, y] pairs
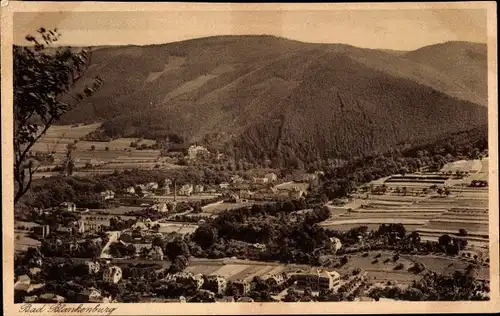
{"points": [[43, 81]]}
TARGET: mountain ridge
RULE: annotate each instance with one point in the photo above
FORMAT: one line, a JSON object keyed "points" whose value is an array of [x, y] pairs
{"points": [[227, 88]]}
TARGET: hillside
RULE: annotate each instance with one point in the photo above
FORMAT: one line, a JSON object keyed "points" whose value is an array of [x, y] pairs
{"points": [[276, 97]]}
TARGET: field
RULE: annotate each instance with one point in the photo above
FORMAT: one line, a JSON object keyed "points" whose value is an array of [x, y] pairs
{"points": [[421, 208], [235, 269], [241, 269], [385, 271], [104, 157], [179, 228]]}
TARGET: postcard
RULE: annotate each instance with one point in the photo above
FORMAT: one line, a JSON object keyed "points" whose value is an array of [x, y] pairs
{"points": [[202, 158]]}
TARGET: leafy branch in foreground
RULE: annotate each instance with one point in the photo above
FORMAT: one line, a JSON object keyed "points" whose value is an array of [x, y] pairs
{"points": [[43, 79]]}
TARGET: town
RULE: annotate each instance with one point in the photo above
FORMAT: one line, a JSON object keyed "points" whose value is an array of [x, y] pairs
{"points": [[260, 238]]}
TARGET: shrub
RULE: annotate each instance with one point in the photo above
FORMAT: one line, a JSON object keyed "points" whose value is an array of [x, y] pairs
{"points": [[375, 261], [365, 254], [399, 266]]}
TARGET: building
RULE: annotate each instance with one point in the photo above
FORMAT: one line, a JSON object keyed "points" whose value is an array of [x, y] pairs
{"points": [[194, 151], [23, 283], [93, 267], [112, 274], [334, 244], [224, 185], [199, 188], [187, 278], [156, 253], [88, 295], [107, 195], [30, 299], [151, 186], [260, 180], [140, 226], [160, 207], [186, 190], [130, 190], [260, 247], [237, 180], [245, 194], [35, 271], [216, 284], [296, 193], [67, 206], [320, 280], [277, 279], [241, 286], [92, 224], [43, 230], [271, 177]]}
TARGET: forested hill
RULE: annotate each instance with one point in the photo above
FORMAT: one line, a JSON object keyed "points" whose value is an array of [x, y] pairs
{"points": [[268, 97]]}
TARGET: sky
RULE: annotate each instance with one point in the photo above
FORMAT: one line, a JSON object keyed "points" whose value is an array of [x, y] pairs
{"points": [[387, 29]]}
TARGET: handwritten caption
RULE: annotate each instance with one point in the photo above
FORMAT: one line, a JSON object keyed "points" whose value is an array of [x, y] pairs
{"points": [[66, 309]]}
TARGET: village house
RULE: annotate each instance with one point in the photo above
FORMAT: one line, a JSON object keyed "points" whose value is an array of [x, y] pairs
{"points": [[216, 284], [42, 230], [67, 206], [107, 195], [334, 244], [296, 192], [112, 274], [151, 186], [160, 207], [260, 180], [186, 190], [87, 295], [23, 283], [93, 267], [277, 279], [34, 271], [31, 299], [224, 185], [271, 177], [194, 151], [198, 188], [187, 278], [130, 190], [156, 253], [320, 280], [241, 286], [260, 247], [140, 226], [236, 180]]}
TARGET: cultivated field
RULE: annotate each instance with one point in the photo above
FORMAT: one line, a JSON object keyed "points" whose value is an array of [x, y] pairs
{"points": [[422, 208], [104, 157], [386, 271]]}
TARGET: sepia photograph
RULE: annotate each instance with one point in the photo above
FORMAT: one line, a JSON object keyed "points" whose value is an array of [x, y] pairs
{"points": [[297, 157]]}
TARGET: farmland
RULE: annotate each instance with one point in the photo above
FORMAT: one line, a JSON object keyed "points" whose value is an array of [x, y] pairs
{"points": [[97, 157], [412, 201]]}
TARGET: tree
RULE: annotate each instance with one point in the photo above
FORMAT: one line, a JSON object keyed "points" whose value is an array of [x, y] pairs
{"points": [[42, 84], [205, 236], [462, 232], [92, 148], [444, 240]]}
